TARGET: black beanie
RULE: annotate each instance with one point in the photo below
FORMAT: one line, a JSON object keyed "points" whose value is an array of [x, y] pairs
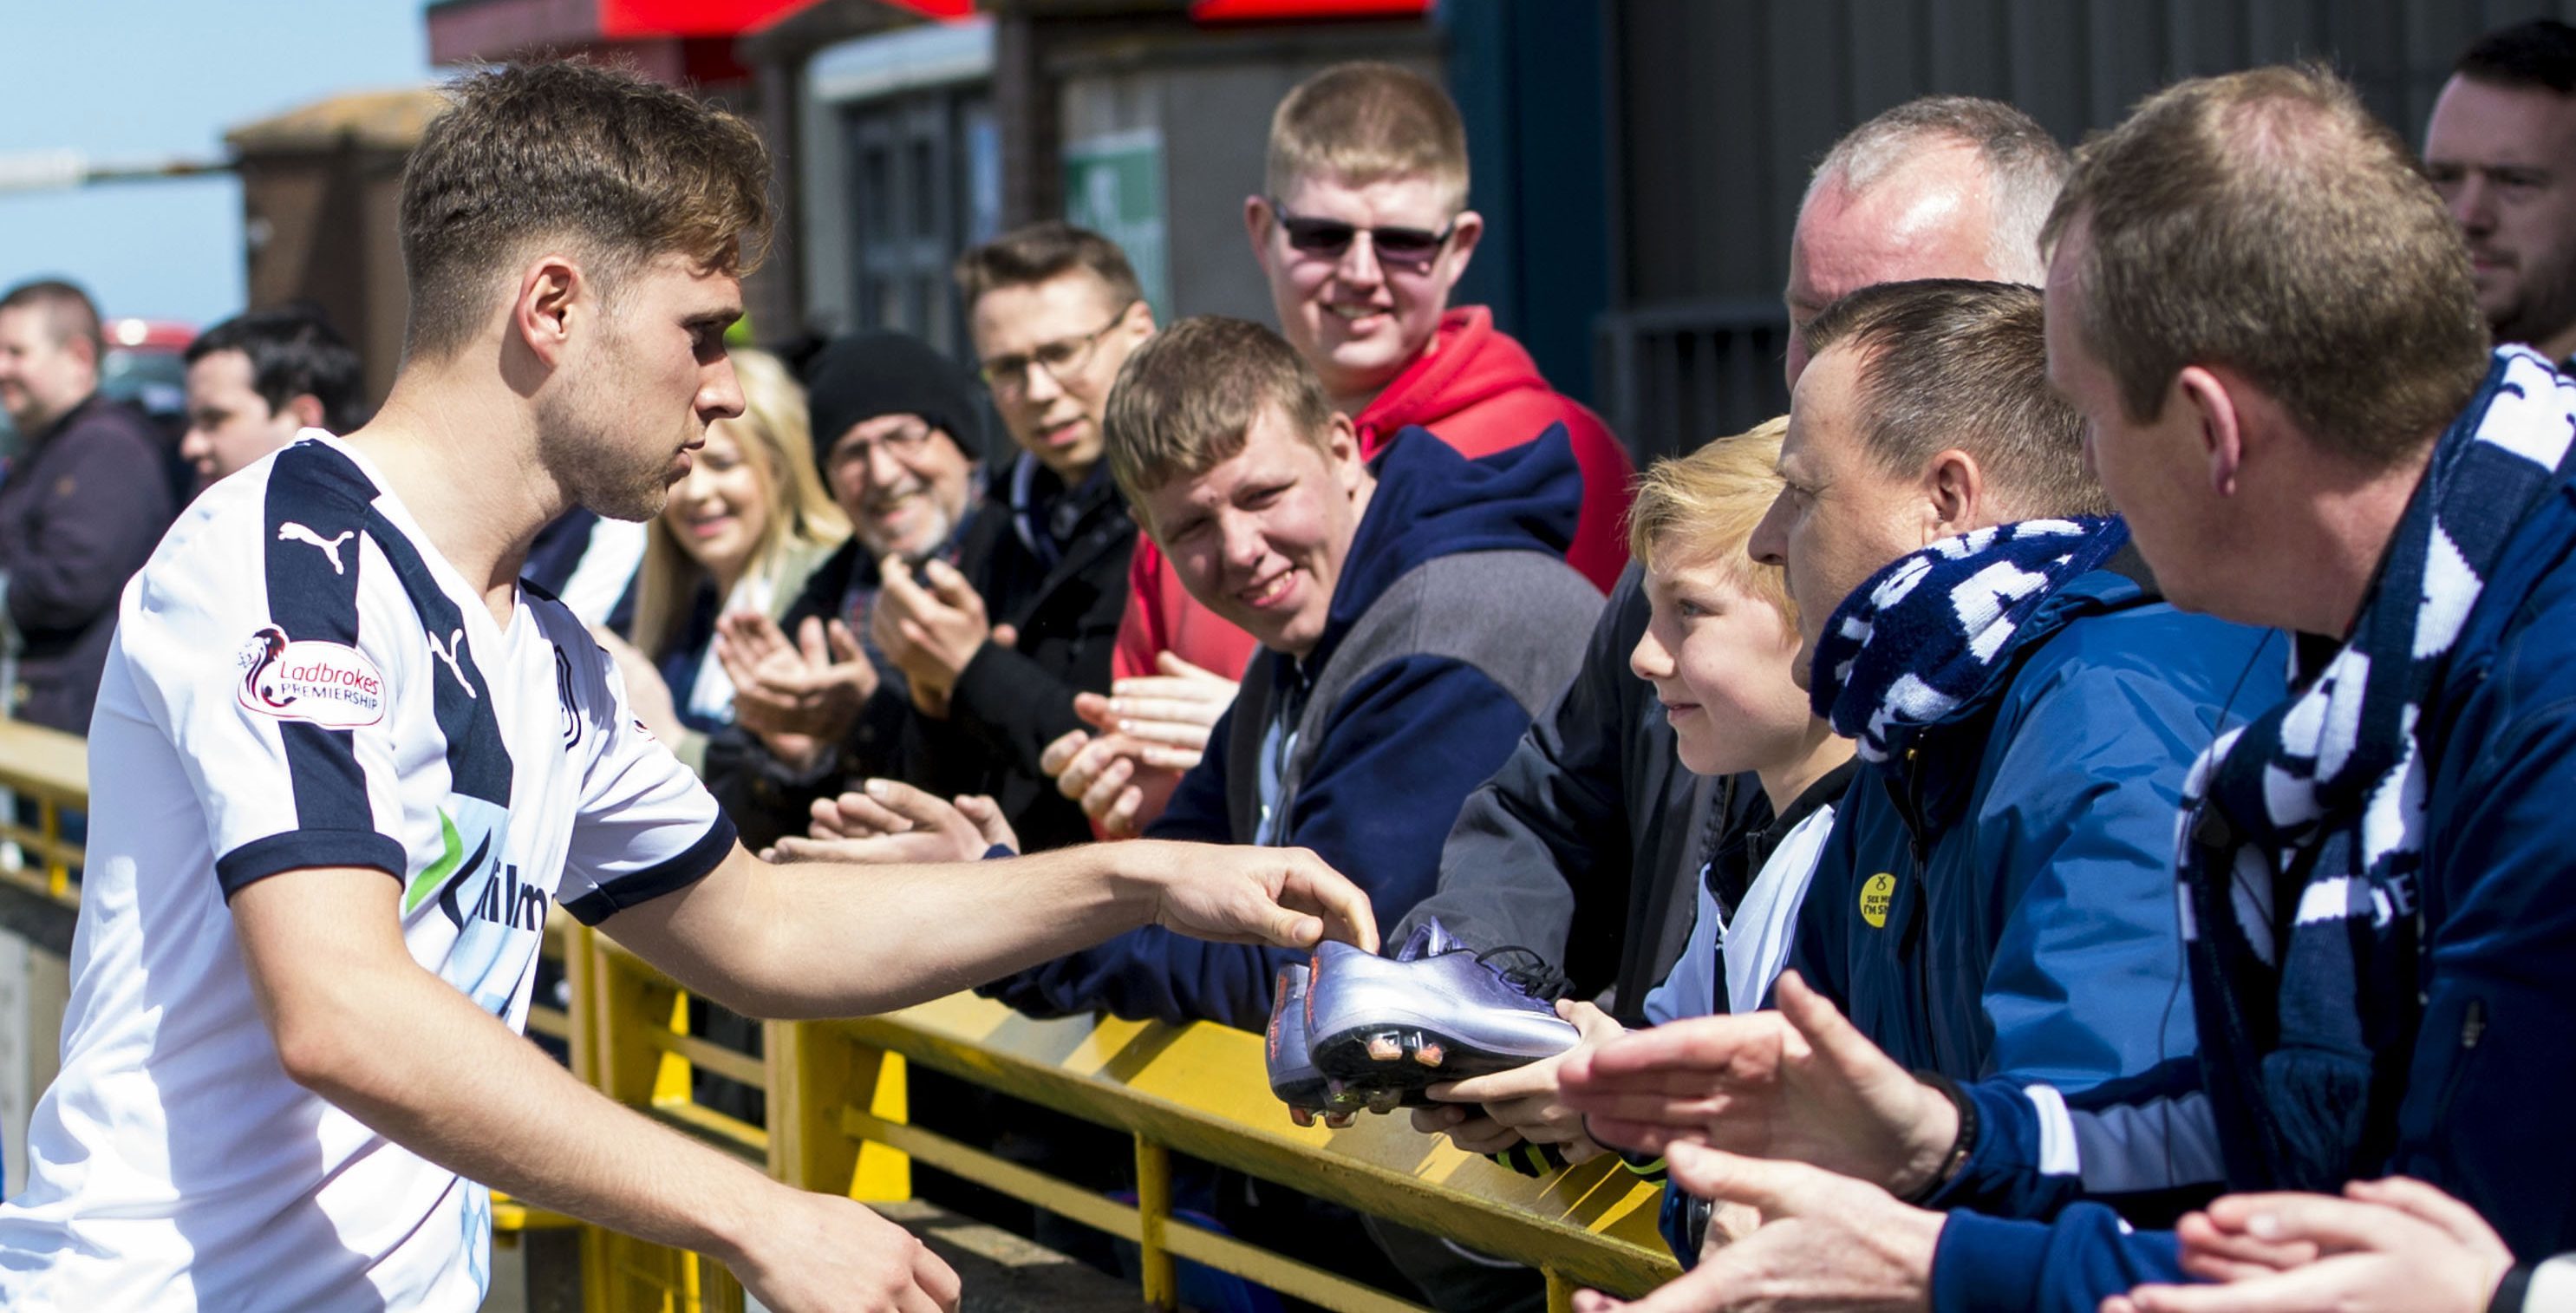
{"points": [[880, 372]]}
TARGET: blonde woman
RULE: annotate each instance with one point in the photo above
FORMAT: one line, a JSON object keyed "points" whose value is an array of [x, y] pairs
{"points": [[739, 533]]}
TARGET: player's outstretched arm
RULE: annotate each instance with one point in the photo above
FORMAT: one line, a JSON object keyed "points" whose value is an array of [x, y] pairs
{"points": [[358, 1022], [817, 939]]}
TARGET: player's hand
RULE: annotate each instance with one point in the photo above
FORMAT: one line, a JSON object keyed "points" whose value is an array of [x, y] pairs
{"points": [[1121, 782], [822, 1253], [1826, 1242], [1799, 1083], [1240, 894], [890, 821], [931, 633], [2390, 1245], [1522, 1104], [646, 695]]}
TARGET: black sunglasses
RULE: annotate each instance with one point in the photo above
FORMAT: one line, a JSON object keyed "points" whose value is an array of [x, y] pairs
{"points": [[1331, 237]]}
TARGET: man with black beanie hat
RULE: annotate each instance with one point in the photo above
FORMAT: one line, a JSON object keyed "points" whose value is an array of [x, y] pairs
{"points": [[900, 437]]}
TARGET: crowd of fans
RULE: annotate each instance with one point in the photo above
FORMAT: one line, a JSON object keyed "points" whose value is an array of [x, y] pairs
{"points": [[2102, 751]]}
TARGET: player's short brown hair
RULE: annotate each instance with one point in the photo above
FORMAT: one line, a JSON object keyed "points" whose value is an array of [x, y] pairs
{"points": [[621, 169]]}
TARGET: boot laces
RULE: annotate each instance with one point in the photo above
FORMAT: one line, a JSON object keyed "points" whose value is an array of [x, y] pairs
{"points": [[1527, 970]]}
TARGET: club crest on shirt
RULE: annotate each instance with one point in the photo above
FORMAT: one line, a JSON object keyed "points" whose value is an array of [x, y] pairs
{"points": [[332, 685]]}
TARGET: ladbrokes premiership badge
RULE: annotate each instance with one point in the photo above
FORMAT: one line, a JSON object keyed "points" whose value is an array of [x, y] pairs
{"points": [[330, 684]]}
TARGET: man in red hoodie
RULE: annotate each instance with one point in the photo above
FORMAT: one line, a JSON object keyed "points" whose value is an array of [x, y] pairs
{"points": [[1362, 232]]}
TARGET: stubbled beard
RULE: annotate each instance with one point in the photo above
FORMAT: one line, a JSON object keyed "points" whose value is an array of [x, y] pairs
{"points": [[2546, 306], [941, 527], [598, 472]]}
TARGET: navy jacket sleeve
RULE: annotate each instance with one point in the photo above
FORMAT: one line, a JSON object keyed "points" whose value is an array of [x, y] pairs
{"points": [[1132, 974], [2146, 1145], [1982, 1264], [98, 521], [1399, 752]]}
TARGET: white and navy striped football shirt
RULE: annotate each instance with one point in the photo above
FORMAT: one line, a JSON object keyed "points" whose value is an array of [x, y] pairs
{"points": [[299, 680]]}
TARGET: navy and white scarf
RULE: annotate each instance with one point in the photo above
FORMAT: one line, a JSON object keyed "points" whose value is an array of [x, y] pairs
{"points": [[1926, 634], [2302, 838]]}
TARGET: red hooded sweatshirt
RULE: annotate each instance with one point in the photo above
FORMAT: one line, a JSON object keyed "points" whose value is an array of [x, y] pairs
{"points": [[1475, 389]]}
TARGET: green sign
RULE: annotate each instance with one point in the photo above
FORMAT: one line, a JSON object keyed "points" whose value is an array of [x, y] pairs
{"points": [[1113, 185]]}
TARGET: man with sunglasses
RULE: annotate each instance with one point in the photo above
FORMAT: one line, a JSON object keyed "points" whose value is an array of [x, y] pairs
{"points": [[1362, 230], [995, 647]]}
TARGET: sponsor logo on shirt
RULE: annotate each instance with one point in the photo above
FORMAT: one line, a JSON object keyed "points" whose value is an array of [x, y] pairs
{"points": [[329, 684], [501, 898]]}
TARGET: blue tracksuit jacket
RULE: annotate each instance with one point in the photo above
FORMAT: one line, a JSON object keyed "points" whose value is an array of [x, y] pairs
{"points": [[2491, 1053], [1996, 903]]}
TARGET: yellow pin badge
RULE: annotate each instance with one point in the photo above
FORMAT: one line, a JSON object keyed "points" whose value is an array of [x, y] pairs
{"points": [[1875, 894]]}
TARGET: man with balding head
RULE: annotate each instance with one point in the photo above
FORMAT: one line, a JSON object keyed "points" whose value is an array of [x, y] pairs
{"points": [[1587, 845], [82, 506], [1941, 187]]}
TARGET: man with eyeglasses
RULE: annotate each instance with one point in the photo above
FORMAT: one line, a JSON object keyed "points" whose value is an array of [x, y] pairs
{"points": [[995, 647]]}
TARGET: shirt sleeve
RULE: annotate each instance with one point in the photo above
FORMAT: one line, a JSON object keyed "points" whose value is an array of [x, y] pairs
{"points": [[277, 687], [646, 826]]}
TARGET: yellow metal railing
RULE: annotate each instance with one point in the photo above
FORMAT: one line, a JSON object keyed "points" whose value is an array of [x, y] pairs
{"points": [[51, 770], [835, 1097]]}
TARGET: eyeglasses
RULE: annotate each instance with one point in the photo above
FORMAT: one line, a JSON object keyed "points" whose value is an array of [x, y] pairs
{"points": [[1061, 358], [899, 443], [1411, 247]]}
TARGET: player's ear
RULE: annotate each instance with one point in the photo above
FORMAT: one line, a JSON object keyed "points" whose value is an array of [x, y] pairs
{"points": [[551, 297]]}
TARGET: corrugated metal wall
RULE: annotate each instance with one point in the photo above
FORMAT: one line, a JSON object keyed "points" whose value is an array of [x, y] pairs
{"points": [[1720, 107]]}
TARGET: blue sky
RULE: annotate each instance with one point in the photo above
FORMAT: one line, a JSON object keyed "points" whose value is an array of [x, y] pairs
{"points": [[123, 78]]}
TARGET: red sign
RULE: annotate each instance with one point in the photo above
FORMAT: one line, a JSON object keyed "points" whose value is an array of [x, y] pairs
{"points": [[623, 19], [1265, 11]]}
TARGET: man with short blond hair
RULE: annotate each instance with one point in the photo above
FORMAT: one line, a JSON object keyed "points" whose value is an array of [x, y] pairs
{"points": [[1412, 612], [344, 761]]}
